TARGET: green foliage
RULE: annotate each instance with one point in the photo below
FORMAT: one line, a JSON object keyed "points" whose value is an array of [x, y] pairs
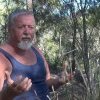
{"points": [[6, 6], [55, 29]]}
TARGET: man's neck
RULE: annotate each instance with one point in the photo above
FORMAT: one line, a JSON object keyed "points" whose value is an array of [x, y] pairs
{"points": [[18, 50]]}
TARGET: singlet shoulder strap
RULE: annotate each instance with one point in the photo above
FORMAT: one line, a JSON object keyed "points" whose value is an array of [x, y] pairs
{"points": [[12, 59], [6, 54], [36, 52], [38, 55]]}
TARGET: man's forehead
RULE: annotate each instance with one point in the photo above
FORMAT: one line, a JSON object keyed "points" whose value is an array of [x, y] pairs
{"points": [[26, 18]]}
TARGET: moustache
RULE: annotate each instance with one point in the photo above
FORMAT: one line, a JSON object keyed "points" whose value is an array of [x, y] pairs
{"points": [[26, 38]]}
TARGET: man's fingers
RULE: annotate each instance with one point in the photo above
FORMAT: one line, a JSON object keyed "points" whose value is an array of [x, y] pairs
{"points": [[28, 86], [24, 85], [19, 79], [20, 85], [9, 80], [25, 80]]}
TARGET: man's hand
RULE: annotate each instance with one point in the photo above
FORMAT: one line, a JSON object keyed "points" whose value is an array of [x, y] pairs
{"points": [[58, 80], [21, 84], [65, 77], [14, 88]]}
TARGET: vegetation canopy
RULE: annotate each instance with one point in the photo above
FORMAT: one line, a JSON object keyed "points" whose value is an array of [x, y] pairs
{"points": [[68, 32]]}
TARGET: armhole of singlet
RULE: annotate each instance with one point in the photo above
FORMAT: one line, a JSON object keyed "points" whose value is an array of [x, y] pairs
{"points": [[7, 55], [38, 54]]}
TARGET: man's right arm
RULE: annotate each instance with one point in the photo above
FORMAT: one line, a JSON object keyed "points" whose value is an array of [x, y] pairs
{"points": [[7, 94], [1, 79], [12, 89], [5, 66]]}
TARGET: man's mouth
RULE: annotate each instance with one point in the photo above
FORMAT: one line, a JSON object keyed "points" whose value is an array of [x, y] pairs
{"points": [[26, 39]]}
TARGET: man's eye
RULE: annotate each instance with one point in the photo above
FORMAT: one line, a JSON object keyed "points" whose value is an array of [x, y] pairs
{"points": [[31, 26], [20, 27]]}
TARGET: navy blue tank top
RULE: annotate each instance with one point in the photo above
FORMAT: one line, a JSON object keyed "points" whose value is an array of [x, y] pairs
{"points": [[36, 72]]}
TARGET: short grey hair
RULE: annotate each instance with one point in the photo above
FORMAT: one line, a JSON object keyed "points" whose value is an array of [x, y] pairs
{"points": [[16, 13]]}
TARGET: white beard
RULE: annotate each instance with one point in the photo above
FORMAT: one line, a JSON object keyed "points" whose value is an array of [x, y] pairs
{"points": [[25, 44]]}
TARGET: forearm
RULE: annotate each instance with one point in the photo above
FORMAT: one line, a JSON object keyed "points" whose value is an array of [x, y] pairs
{"points": [[55, 82], [5, 96], [8, 93]]}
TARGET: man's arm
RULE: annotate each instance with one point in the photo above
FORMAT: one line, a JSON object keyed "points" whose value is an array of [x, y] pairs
{"points": [[58, 80], [55, 82], [16, 88], [1, 78], [7, 93], [12, 89], [4, 66]]}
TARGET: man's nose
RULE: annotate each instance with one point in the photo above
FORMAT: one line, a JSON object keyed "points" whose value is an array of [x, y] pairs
{"points": [[26, 30], [25, 33]]}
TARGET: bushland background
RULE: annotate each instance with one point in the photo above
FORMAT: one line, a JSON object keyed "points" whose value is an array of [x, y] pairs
{"points": [[68, 32]]}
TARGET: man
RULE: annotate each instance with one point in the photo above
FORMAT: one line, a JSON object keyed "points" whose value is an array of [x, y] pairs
{"points": [[24, 72]]}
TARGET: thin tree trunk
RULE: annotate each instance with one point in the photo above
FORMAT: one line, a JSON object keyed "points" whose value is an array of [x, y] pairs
{"points": [[74, 36], [85, 50]]}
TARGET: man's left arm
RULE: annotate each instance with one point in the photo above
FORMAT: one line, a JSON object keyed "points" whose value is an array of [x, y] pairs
{"points": [[56, 82]]}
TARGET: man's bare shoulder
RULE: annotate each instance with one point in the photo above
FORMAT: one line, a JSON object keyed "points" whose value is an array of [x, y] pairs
{"points": [[4, 62]]}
